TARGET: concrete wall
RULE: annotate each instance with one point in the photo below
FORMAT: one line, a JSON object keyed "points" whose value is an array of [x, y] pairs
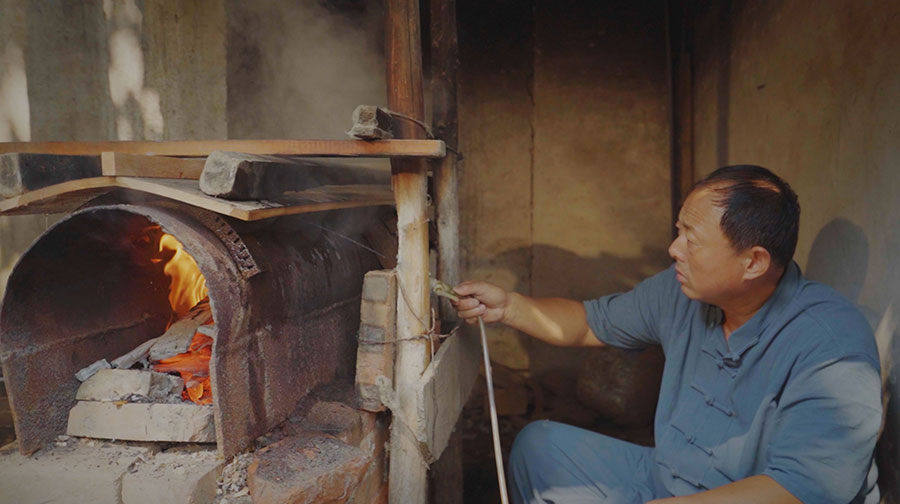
{"points": [[299, 69], [123, 70], [564, 125], [814, 94]]}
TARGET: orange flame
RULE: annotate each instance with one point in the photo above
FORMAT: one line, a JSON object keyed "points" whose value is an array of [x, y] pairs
{"points": [[188, 286], [193, 366]]}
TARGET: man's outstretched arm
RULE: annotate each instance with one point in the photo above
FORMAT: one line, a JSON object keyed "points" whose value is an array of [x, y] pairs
{"points": [[752, 490], [557, 321]]}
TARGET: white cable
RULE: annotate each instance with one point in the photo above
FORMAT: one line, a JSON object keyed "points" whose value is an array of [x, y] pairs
{"points": [[442, 289], [495, 430]]}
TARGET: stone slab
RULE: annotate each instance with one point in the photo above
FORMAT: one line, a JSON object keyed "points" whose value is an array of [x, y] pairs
{"points": [[336, 419], [372, 488], [77, 472], [188, 478], [307, 468], [23, 172], [143, 421], [119, 384]]}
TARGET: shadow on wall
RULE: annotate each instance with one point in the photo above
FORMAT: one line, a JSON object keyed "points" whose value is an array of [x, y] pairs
{"points": [[839, 257], [560, 272]]}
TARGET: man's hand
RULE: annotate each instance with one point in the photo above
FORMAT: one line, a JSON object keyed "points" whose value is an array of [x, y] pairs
{"points": [[558, 321], [481, 298]]}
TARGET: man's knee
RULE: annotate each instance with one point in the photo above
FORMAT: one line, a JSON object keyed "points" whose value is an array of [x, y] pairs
{"points": [[532, 441]]}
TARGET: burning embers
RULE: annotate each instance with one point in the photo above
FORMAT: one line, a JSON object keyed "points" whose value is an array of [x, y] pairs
{"points": [[193, 366], [144, 379]]}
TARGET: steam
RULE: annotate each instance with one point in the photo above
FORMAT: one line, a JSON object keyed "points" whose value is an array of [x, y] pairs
{"points": [[299, 69]]}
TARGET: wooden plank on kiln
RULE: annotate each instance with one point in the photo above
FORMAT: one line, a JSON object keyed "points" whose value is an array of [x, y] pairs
{"points": [[203, 148], [138, 165], [444, 388], [57, 198], [312, 200], [70, 195]]}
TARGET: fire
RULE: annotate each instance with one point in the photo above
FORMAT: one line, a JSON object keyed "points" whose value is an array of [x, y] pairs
{"points": [[188, 286], [193, 366]]}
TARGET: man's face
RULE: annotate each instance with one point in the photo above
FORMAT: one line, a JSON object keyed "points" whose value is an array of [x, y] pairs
{"points": [[708, 267]]}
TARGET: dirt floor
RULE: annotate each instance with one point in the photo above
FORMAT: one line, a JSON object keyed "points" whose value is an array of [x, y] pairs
{"points": [[551, 398]]}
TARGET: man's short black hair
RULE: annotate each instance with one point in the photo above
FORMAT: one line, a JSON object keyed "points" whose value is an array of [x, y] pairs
{"points": [[759, 209]]}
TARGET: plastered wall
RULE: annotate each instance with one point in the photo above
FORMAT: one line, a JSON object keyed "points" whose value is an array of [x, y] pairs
{"points": [[123, 70], [812, 91], [564, 125]]}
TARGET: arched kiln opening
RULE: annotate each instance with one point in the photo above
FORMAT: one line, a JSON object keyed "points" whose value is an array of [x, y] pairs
{"points": [[284, 298]]}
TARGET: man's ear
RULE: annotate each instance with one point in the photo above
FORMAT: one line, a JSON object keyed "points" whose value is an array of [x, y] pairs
{"points": [[757, 262]]}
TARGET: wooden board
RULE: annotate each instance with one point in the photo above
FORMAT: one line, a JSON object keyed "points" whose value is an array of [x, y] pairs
{"points": [[58, 198], [71, 195], [117, 164], [202, 148], [444, 388]]}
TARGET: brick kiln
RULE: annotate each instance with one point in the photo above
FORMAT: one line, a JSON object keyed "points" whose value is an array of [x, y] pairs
{"points": [[284, 296]]}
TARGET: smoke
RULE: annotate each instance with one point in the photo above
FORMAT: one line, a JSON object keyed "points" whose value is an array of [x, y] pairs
{"points": [[299, 69]]}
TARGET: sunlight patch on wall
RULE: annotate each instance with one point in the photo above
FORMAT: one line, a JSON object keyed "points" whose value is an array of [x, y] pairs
{"points": [[138, 111], [15, 118]]}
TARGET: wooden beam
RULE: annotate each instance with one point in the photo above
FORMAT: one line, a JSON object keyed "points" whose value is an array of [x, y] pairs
{"points": [[70, 195], [139, 165], [201, 148], [452, 374], [408, 470], [445, 62], [679, 19]]}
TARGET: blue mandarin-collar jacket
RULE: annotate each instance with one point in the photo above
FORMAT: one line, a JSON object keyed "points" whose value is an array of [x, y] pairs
{"points": [[794, 393]]}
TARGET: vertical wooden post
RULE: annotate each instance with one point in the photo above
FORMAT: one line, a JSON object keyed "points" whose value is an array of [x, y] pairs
{"points": [[444, 63], [408, 469], [679, 19], [447, 472]]}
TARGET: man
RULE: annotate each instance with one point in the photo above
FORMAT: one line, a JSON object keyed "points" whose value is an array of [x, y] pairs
{"points": [[770, 392]]}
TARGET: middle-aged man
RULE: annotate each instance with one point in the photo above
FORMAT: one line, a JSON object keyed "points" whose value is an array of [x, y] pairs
{"points": [[771, 390]]}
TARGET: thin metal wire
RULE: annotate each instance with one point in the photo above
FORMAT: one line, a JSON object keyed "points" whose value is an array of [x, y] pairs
{"points": [[351, 240], [427, 130]]}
